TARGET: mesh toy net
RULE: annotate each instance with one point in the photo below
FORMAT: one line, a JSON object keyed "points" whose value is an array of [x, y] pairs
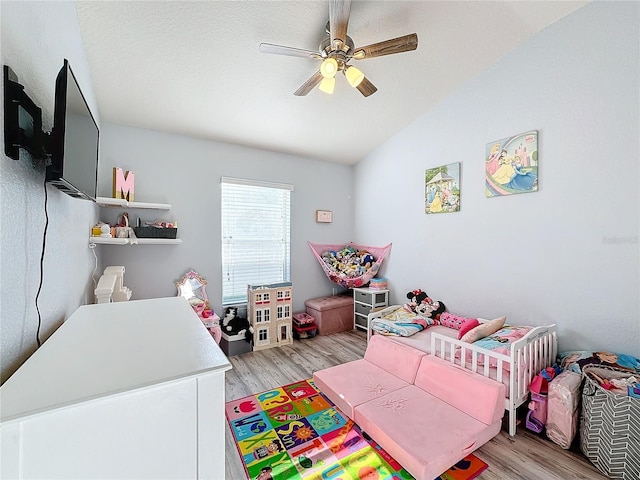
{"points": [[348, 264]]}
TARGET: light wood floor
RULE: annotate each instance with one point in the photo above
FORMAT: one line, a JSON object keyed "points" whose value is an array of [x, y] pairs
{"points": [[526, 456]]}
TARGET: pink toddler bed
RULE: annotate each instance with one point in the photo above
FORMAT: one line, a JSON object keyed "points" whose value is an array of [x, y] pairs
{"points": [[514, 365]]}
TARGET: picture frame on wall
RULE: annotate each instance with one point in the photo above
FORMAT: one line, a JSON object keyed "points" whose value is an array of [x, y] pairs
{"points": [[442, 189], [511, 165], [324, 216]]}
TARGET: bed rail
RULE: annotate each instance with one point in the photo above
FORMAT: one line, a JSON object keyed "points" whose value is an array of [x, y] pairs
{"points": [[528, 356]]}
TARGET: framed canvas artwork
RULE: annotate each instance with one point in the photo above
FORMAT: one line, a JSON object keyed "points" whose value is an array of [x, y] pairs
{"points": [[511, 165], [442, 189]]}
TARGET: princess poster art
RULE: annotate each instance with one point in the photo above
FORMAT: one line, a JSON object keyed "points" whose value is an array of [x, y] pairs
{"points": [[511, 165], [442, 189]]}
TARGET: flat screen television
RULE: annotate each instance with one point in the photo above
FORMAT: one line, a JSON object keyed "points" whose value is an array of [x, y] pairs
{"points": [[74, 141]]}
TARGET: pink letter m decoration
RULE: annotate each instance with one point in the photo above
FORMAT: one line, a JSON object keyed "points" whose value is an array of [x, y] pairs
{"points": [[123, 184]]}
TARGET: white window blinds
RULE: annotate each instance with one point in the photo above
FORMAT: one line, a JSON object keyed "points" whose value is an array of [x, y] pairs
{"points": [[255, 235]]}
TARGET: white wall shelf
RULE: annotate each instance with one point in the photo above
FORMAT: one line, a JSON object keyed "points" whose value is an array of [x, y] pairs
{"points": [[120, 202], [127, 241]]}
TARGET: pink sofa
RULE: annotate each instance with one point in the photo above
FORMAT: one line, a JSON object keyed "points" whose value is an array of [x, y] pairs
{"points": [[425, 412]]}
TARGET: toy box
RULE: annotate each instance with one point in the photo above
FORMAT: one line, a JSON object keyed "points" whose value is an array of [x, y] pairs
{"points": [[308, 331], [332, 314], [302, 319]]}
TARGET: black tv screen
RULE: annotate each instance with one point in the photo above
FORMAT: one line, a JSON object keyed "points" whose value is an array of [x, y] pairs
{"points": [[74, 140]]}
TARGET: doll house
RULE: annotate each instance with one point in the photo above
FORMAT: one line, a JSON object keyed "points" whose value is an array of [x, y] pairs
{"points": [[270, 312]]}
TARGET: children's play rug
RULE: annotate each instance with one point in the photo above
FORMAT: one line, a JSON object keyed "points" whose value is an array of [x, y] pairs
{"points": [[295, 432]]}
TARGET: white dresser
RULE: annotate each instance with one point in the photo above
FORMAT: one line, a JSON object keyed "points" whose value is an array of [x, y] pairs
{"points": [[121, 390]]}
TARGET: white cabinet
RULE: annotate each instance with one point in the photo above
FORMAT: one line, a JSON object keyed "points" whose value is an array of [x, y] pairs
{"points": [[364, 301], [118, 202], [121, 390]]}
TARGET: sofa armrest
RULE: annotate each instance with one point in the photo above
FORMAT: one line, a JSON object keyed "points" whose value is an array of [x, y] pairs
{"points": [[477, 396], [397, 359]]}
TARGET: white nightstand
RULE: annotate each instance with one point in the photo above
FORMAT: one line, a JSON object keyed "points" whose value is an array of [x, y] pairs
{"points": [[364, 301]]}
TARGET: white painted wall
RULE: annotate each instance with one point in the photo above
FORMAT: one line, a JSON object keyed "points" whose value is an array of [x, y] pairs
{"points": [[185, 172], [567, 254], [36, 37]]}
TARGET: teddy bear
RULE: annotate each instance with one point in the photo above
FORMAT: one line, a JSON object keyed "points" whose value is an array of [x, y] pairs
{"points": [[422, 304], [232, 324]]}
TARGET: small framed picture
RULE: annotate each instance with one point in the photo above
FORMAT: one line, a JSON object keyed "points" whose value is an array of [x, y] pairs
{"points": [[324, 216]]}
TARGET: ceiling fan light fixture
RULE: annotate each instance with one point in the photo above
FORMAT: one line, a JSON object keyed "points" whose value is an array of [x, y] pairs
{"points": [[329, 67], [354, 75], [327, 85]]}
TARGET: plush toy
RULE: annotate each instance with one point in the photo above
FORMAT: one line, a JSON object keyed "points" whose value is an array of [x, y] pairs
{"points": [[232, 324], [420, 303]]}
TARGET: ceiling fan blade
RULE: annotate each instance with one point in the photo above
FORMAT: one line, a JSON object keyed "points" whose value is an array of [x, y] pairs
{"points": [[405, 43], [290, 51], [309, 85], [366, 88], [338, 20]]}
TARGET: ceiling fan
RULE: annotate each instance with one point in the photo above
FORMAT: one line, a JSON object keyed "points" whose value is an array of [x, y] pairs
{"points": [[338, 49]]}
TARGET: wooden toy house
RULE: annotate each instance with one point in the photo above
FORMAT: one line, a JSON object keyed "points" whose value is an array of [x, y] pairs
{"points": [[270, 312]]}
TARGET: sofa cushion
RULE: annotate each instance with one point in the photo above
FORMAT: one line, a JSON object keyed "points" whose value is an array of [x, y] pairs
{"points": [[350, 384], [423, 433], [396, 358], [477, 396]]}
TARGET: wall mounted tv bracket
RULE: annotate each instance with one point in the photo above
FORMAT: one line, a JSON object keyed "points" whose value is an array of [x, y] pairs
{"points": [[22, 121]]}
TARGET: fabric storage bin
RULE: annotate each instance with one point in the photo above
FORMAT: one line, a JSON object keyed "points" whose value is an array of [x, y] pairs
{"points": [[610, 425], [234, 345], [155, 232], [332, 314]]}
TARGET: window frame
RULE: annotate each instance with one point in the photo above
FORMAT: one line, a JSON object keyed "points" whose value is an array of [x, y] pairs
{"points": [[231, 191]]}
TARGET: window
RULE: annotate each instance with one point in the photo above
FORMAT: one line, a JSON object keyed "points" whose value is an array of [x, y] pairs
{"points": [[255, 236], [263, 335]]}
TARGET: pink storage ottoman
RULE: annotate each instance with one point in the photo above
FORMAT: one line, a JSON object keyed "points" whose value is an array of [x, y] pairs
{"points": [[333, 314]]}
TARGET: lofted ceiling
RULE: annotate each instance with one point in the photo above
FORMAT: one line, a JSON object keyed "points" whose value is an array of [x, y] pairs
{"points": [[193, 67]]}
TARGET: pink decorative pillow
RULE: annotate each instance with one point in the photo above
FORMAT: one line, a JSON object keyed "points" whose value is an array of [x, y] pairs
{"points": [[484, 330], [453, 321], [470, 324]]}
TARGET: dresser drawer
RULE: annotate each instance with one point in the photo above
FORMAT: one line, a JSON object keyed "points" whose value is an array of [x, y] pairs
{"points": [[363, 297], [363, 309]]}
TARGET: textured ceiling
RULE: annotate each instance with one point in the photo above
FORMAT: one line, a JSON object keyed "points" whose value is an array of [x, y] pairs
{"points": [[193, 67]]}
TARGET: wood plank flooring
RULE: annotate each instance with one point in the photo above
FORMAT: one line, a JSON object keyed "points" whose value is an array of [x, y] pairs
{"points": [[526, 456]]}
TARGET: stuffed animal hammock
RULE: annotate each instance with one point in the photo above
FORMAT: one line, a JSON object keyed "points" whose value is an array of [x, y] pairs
{"points": [[349, 265]]}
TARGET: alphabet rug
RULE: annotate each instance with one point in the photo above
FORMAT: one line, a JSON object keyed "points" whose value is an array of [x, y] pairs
{"points": [[294, 432]]}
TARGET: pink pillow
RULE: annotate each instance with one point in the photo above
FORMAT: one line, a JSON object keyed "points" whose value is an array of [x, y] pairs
{"points": [[453, 321], [468, 325], [484, 330]]}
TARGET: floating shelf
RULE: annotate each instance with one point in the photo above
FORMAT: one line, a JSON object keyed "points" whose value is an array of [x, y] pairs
{"points": [[127, 241], [120, 202]]}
